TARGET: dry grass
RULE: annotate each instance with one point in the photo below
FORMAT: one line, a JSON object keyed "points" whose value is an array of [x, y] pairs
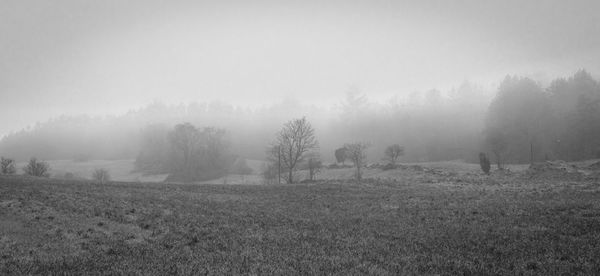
{"points": [[419, 222]]}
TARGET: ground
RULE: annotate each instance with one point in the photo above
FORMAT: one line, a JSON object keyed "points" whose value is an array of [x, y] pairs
{"points": [[437, 219]]}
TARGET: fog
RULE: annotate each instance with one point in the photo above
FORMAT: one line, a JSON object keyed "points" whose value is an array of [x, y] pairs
{"points": [[87, 77]]}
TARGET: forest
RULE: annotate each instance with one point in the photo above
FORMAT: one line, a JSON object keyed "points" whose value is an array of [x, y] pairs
{"points": [[520, 121]]}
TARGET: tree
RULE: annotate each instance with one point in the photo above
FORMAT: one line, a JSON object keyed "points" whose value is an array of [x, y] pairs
{"points": [[340, 155], [269, 173], [101, 175], [198, 154], [314, 166], [393, 152], [356, 153], [520, 112], [484, 162], [296, 138], [7, 166], [37, 168], [496, 140], [185, 141]]}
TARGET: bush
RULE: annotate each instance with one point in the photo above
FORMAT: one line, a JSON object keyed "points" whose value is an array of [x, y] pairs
{"points": [[37, 168], [7, 166], [101, 175]]}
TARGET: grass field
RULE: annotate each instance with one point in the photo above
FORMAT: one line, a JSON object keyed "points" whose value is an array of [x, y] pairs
{"points": [[443, 221]]}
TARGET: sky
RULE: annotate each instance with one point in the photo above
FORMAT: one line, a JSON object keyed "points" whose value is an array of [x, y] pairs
{"points": [[107, 57]]}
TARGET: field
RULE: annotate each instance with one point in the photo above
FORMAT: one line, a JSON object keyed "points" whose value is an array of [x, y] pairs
{"points": [[438, 219]]}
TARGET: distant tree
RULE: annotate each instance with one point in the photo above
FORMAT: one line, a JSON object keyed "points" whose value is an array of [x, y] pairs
{"points": [[314, 166], [101, 175], [296, 138], [7, 166], [37, 168], [269, 173], [497, 142], [521, 112], [340, 155], [356, 153], [393, 152], [185, 141], [484, 162], [198, 154]]}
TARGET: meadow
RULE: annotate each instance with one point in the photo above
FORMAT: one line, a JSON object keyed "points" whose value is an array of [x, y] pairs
{"points": [[434, 221]]}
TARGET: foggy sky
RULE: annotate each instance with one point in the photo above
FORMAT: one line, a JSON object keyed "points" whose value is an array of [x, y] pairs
{"points": [[106, 57]]}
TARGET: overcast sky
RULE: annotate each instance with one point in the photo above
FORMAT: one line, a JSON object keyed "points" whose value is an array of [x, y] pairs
{"points": [[105, 57]]}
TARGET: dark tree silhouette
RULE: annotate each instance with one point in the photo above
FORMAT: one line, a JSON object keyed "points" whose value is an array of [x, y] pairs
{"points": [[296, 138]]}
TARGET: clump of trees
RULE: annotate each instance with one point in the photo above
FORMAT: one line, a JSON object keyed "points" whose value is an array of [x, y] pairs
{"points": [[37, 168], [291, 146], [7, 166], [526, 123], [101, 175], [356, 153], [186, 152]]}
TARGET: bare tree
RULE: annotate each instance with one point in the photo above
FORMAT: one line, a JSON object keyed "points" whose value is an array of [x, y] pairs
{"points": [[296, 138], [101, 175], [37, 168], [7, 166], [356, 153], [314, 165], [393, 152]]}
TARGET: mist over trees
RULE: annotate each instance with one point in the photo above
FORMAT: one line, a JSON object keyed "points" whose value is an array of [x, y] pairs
{"points": [[186, 152], [519, 120], [526, 122]]}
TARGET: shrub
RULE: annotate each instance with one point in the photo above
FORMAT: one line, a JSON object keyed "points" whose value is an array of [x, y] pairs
{"points": [[101, 175], [37, 168], [7, 166]]}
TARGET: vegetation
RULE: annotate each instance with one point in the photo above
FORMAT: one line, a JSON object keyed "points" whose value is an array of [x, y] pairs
{"points": [[393, 152], [37, 168], [341, 155], [356, 153], [7, 166], [101, 175], [292, 143], [186, 152], [424, 223], [314, 166], [484, 163]]}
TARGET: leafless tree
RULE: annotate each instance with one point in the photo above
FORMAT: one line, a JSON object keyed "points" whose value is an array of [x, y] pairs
{"points": [[7, 166], [37, 168], [356, 153], [296, 138], [314, 165], [393, 152], [101, 175]]}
